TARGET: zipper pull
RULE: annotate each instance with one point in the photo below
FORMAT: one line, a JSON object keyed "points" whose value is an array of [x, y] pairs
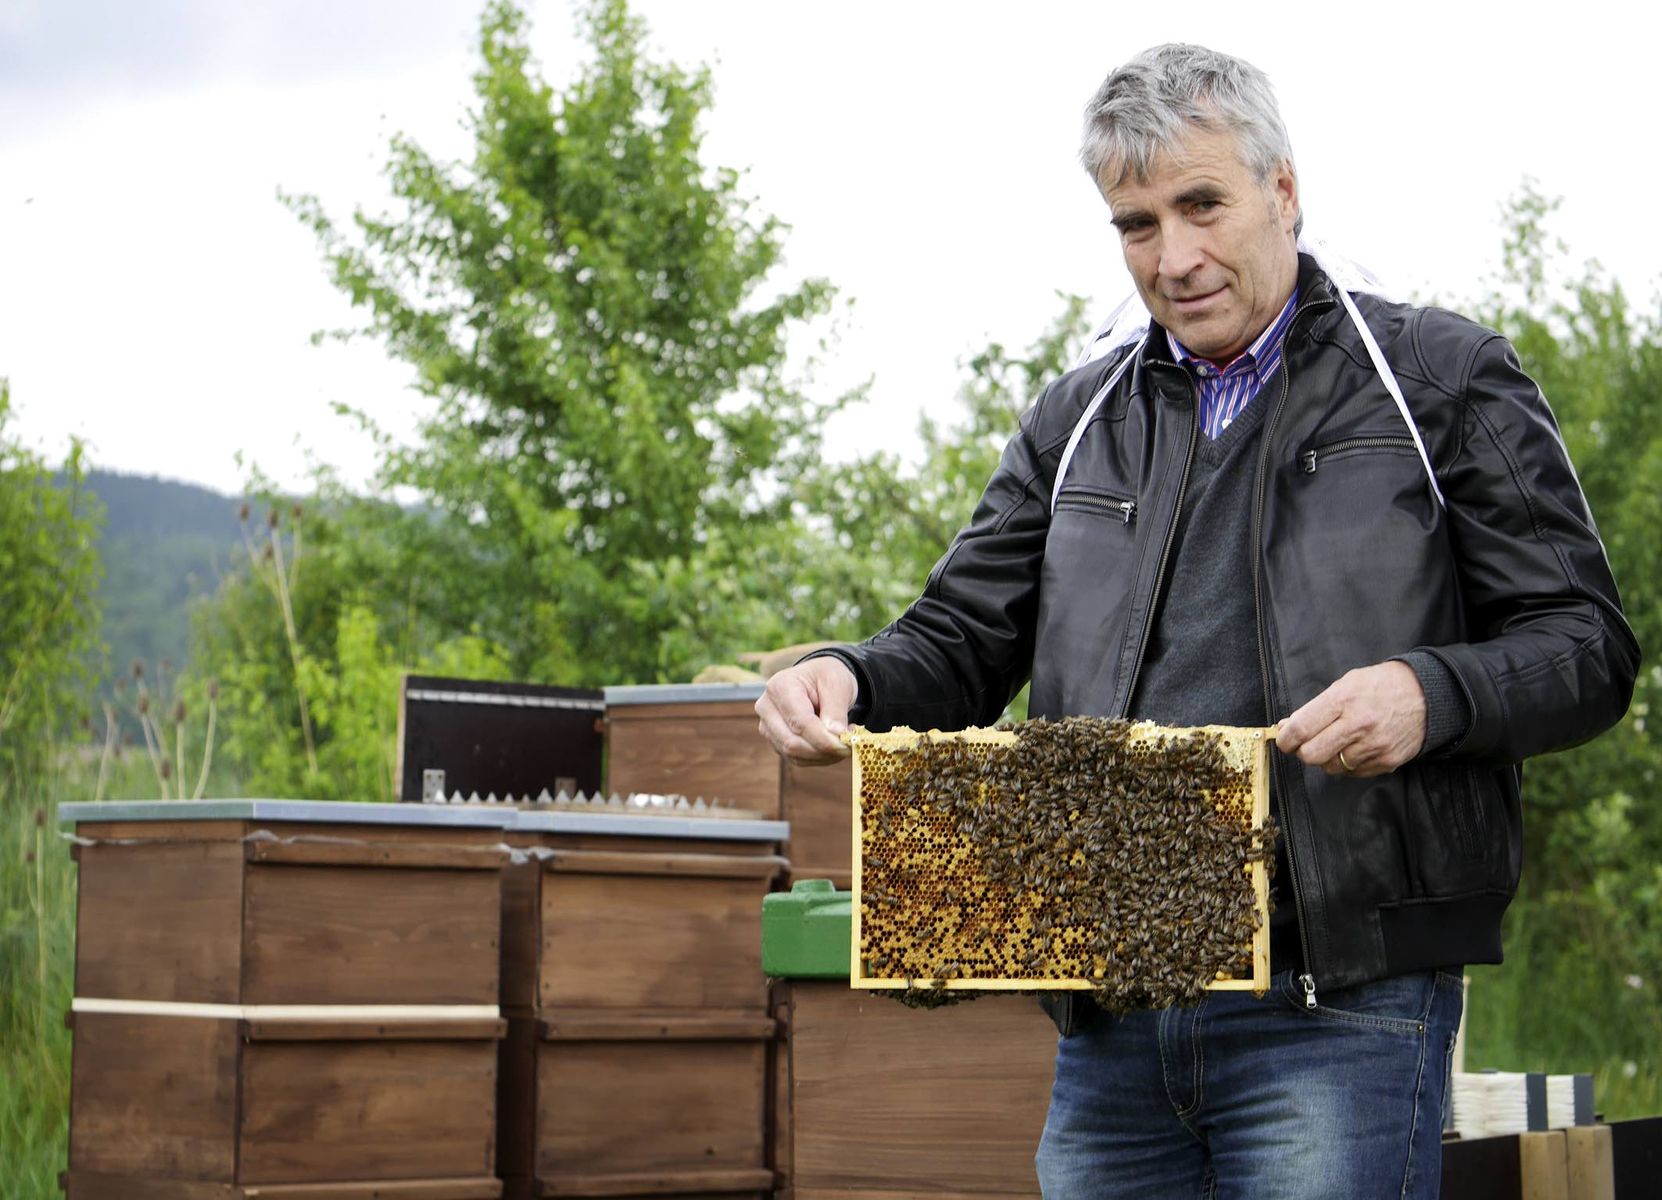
{"points": [[1128, 509], [1309, 982], [1308, 458]]}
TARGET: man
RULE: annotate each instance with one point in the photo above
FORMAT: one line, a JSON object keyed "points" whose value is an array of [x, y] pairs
{"points": [[1286, 501]]}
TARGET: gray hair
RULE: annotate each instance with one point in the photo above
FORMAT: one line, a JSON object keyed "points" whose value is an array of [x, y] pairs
{"points": [[1149, 105]]}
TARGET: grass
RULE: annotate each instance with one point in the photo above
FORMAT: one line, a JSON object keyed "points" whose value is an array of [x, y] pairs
{"points": [[1580, 992], [37, 971], [37, 906]]}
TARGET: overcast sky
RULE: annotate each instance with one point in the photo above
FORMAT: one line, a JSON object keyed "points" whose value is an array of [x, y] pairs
{"points": [[157, 300]]}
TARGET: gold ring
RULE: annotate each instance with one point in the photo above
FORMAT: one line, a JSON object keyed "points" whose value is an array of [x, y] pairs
{"points": [[1342, 763]]}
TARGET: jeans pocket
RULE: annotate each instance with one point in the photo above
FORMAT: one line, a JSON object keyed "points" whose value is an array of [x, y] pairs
{"points": [[1396, 1005]]}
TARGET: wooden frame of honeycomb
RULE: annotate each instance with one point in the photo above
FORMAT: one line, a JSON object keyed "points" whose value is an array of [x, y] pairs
{"points": [[945, 895]]}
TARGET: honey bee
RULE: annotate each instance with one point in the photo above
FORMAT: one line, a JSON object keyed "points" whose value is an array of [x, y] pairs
{"points": [[1122, 857]]}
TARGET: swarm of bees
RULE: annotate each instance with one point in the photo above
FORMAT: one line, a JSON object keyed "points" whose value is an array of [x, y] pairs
{"points": [[1081, 853]]}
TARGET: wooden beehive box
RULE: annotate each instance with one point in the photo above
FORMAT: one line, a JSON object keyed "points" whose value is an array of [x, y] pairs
{"points": [[928, 910], [284, 999], [876, 1100], [639, 1032], [814, 800], [701, 740], [885, 1101], [696, 739]]}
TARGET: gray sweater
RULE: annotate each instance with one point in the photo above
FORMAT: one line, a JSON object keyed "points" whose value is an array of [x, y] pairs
{"points": [[1201, 666]]}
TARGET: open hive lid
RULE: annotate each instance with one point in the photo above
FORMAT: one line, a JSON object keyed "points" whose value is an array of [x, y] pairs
{"points": [[1087, 854]]}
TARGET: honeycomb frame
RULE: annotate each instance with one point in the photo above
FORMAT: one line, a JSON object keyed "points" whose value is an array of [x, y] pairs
{"points": [[1247, 746]]}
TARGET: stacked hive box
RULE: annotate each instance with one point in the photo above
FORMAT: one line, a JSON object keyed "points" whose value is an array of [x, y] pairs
{"points": [[701, 740], [636, 1057], [695, 739], [467, 737], [285, 999], [877, 1100], [815, 802]]}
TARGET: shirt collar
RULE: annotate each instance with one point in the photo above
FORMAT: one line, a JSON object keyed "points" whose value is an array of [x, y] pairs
{"points": [[1263, 346]]}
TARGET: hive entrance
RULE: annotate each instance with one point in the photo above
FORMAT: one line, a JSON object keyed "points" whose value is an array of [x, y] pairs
{"points": [[1126, 859]]}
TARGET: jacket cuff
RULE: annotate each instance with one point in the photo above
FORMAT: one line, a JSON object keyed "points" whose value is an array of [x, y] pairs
{"points": [[1447, 715], [862, 701]]}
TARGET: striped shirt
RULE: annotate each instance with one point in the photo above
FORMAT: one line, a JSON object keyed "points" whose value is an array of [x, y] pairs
{"points": [[1225, 391]]}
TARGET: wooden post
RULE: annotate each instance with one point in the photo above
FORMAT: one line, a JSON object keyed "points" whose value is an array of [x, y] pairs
{"points": [[1543, 1165], [1592, 1166]]}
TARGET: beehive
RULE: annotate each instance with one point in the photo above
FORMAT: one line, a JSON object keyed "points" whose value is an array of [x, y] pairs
{"points": [[1126, 859], [636, 1061], [284, 998]]}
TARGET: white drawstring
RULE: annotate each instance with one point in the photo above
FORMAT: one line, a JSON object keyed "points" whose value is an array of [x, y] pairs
{"points": [[1343, 273], [1390, 382], [1090, 411]]}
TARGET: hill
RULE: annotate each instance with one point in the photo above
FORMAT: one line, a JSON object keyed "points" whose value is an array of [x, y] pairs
{"points": [[164, 542]]}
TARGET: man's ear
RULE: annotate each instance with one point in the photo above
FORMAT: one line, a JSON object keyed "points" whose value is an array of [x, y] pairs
{"points": [[1284, 186]]}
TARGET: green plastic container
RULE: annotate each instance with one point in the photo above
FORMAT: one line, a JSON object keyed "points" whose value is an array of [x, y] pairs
{"points": [[806, 931]]}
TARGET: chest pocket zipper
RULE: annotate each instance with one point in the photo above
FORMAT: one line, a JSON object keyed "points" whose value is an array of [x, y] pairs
{"points": [[1120, 508], [1314, 457]]}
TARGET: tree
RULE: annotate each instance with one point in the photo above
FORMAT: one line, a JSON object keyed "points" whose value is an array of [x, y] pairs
{"points": [[306, 638], [48, 618], [1600, 364], [899, 522], [1584, 939], [584, 302], [48, 640], [597, 488], [621, 481]]}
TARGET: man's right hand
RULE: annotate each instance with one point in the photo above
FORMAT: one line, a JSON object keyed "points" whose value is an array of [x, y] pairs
{"points": [[804, 710]]}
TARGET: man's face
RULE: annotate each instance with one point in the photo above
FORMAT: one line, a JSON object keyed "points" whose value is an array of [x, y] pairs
{"points": [[1210, 247]]}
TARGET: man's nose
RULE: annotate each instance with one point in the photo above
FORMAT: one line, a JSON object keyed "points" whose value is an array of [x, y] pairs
{"points": [[1180, 250]]}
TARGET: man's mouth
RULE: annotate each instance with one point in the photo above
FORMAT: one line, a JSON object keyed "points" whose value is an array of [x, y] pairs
{"points": [[1198, 300]]}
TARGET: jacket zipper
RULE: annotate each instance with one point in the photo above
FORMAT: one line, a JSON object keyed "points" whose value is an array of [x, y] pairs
{"points": [[1311, 458], [1165, 551], [1125, 510], [1308, 979]]}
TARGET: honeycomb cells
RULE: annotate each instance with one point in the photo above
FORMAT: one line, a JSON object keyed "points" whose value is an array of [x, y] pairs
{"points": [[1081, 853]]}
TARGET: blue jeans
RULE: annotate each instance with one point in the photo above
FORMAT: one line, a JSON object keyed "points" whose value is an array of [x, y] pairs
{"points": [[1258, 1096]]}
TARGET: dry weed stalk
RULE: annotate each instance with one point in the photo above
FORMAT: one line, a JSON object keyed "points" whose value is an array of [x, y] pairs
{"points": [[282, 577], [164, 743]]}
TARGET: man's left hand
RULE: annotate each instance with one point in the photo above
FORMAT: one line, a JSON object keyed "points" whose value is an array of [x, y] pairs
{"points": [[1373, 716]]}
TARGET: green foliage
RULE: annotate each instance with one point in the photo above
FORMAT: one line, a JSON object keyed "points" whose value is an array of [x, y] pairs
{"points": [[584, 301], [149, 582], [48, 637], [1578, 992], [1600, 364], [37, 963], [899, 521], [37, 931], [313, 712], [894, 523], [48, 623], [1579, 989]]}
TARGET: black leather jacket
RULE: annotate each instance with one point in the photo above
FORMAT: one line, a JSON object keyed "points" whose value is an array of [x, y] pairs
{"points": [[1509, 587]]}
